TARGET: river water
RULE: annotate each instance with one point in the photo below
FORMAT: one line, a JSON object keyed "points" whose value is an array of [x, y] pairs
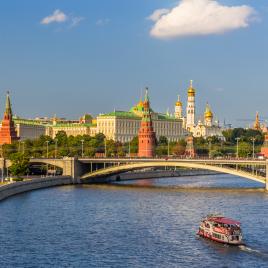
{"points": [[150, 223]]}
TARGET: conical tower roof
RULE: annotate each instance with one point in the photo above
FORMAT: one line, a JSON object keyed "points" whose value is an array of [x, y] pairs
{"points": [[8, 109], [147, 109]]}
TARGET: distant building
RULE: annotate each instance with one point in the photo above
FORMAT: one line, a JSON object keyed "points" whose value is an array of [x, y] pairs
{"points": [[203, 128], [29, 129], [257, 124]]}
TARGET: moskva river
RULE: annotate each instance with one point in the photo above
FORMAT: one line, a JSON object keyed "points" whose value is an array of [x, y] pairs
{"points": [[148, 223]]}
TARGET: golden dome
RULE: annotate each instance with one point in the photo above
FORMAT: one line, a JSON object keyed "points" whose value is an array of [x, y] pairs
{"points": [[178, 102], [140, 104], [191, 90], [208, 113]]}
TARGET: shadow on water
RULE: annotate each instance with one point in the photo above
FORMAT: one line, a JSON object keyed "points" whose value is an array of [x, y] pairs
{"points": [[151, 187]]}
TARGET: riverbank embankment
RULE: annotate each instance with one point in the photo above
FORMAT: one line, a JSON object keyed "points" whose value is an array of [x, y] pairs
{"points": [[14, 188]]}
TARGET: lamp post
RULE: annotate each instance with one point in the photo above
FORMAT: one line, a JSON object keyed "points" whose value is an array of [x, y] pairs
{"points": [[237, 147], [56, 148], [128, 148], [47, 142], [253, 147], [56, 153], [82, 153], [23, 148], [209, 148], [105, 148], [168, 147]]}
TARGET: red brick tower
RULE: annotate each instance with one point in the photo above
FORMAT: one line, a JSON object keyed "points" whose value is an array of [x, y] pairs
{"points": [[264, 148], [146, 133], [190, 151], [8, 133]]}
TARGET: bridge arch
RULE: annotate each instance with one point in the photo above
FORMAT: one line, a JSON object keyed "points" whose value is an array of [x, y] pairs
{"points": [[135, 166]]}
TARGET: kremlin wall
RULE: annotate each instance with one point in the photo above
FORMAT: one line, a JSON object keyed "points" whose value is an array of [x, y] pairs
{"points": [[121, 126]]}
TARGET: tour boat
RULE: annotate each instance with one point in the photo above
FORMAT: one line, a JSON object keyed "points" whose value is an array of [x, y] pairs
{"points": [[221, 229]]}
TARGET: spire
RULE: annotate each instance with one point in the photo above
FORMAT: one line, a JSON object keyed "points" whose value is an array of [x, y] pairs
{"points": [[257, 124], [146, 107], [8, 109], [146, 98], [191, 83]]}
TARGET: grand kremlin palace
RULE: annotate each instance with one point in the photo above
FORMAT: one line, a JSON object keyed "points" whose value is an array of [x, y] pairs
{"points": [[124, 126]]}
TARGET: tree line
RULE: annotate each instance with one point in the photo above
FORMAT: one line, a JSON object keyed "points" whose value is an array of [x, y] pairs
{"points": [[63, 146]]}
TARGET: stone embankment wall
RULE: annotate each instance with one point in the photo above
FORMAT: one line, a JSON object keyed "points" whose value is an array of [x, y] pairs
{"points": [[162, 174], [11, 189]]}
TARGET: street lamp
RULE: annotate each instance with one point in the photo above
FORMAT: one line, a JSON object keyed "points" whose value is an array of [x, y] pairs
{"points": [[56, 148], [82, 142], [253, 147], [237, 147], [209, 148], [128, 148], [168, 147], [47, 142], [105, 148], [23, 149]]}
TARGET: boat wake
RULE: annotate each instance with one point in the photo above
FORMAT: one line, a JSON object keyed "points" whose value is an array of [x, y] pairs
{"points": [[253, 251]]}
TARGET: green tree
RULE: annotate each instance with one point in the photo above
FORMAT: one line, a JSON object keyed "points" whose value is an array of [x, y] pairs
{"points": [[20, 164]]}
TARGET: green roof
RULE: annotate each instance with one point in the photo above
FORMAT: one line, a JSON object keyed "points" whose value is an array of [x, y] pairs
{"points": [[72, 125], [121, 114], [131, 115], [28, 122]]}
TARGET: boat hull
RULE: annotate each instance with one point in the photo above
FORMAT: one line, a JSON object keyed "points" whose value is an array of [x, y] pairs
{"points": [[210, 237]]}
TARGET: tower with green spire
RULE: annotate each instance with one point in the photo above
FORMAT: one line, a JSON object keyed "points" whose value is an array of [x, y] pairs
{"points": [[8, 133], [147, 137]]}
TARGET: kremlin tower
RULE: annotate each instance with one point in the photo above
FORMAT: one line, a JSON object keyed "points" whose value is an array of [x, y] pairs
{"points": [[8, 133], [178, 108], [190, 111], [257, 125], [264, 148], [208, 116], [190, 150], [147, 138]]}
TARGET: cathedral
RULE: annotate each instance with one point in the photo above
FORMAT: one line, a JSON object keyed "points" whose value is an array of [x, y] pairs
{"points": [[204, 127]]}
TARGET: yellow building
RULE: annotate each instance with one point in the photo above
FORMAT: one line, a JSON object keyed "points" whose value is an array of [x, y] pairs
{"points": [[124, 126]]}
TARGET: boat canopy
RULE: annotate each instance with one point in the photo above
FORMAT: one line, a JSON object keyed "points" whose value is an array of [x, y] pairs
{"points": [[225, 221]]}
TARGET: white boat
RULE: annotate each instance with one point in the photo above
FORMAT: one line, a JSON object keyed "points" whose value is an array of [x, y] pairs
{"points": [[221, 229]]}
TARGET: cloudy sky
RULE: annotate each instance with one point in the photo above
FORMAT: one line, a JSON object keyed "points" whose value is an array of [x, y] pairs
{"points": [[76, 56]]}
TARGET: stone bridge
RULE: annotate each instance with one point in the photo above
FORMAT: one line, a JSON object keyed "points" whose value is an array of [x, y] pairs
{"points": [[88, 170]]}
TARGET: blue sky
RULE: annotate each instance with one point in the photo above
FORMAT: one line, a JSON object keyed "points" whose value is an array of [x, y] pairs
{"points": [[102, 63]]}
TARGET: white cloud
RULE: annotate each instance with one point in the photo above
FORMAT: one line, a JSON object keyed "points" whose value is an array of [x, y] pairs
{"points": [[76, 21], [102, 22], [158, 13], [199, 17], [57, 16]]}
